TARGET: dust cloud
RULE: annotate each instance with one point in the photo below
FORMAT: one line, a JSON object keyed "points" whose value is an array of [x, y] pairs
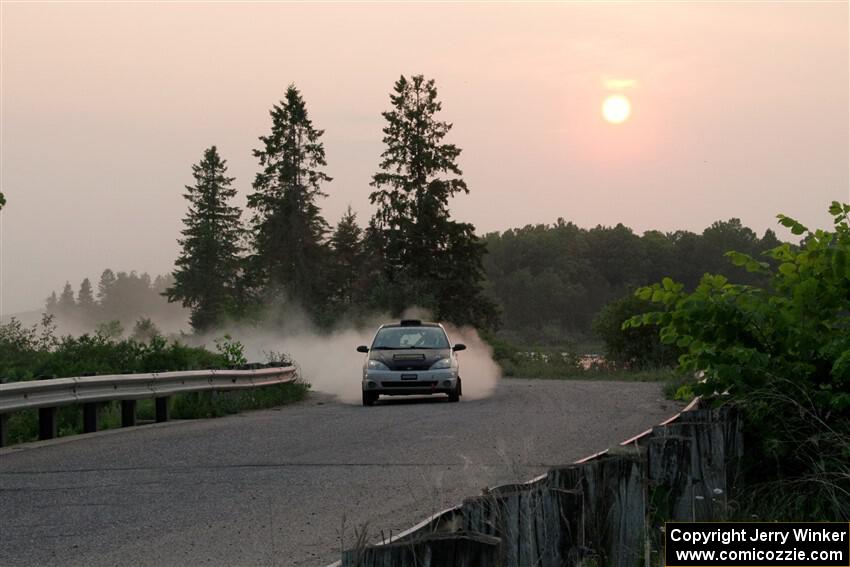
{"points": [[330, 361]]}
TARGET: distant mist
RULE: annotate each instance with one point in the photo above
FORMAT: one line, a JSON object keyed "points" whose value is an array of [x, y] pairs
{"points": [[131, 299]]}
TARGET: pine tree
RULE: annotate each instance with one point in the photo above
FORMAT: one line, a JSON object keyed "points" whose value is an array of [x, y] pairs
{"points": [[86, 307], [85, 297], [66, 306], [104, 286], [345, 269], [287, 227], [208, 268], [51, 303], [429, 259]]}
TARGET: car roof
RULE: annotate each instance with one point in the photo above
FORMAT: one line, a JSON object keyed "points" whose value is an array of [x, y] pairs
{"points": [[411, 323]]}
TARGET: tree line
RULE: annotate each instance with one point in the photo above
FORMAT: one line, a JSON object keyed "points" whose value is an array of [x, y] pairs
{"points": [[123, 301], [551, 281], [542, 283], [411, 253]]}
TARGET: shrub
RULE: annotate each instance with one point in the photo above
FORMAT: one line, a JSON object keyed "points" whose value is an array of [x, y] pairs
{"points": [[632, 347], [30, 352], [782, 352]]}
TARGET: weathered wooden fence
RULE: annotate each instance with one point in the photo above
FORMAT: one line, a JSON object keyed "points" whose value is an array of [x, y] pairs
{"points": [[607, 510]]}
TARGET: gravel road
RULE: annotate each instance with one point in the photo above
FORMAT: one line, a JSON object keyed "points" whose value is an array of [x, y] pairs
{"points": [[289, 486]]}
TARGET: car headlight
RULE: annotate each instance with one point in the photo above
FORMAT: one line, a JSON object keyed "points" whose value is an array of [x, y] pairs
{"points": [[376, 365], [442, 363]]}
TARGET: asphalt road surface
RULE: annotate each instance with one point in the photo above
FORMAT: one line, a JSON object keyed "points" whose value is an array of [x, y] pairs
{"points": [[291, 486]]}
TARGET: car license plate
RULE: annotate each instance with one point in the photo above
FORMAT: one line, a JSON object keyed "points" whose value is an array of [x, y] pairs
{"points": [[408, 376]]}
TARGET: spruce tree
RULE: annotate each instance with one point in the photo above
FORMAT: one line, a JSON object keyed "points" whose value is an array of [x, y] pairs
{"points": [[51, 304], [66, 305], [85, 297], [346, 265], [208, 268], [428, 259], [287, 228], [104, 286], [85, 303]]}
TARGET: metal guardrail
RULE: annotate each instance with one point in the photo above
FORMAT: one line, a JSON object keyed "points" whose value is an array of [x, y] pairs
{"points": [[90, 391]]}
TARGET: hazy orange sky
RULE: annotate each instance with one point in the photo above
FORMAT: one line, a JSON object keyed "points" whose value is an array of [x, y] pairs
{"points": [[738, 110]]}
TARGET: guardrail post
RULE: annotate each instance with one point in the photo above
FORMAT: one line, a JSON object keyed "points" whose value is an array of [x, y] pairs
{"points": [[161, 409], [90, 417], [47, 423], [4, 429], [128, 413]]}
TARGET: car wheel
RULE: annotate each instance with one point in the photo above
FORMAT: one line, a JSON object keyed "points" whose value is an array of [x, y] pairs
{"points": [[454, 395], [369, 398]]}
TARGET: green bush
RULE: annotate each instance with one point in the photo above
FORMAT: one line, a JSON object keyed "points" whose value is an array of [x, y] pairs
{"points": [[217, 404], [634, 347], [548, 362], [782, 353], [31, 352], [27, 353]]}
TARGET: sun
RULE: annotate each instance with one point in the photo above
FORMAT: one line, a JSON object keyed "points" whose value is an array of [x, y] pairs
{"points": [[616, 109]]}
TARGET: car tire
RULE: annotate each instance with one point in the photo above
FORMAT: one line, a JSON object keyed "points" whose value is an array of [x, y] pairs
{"points": [[369, 398], [454, 395]]}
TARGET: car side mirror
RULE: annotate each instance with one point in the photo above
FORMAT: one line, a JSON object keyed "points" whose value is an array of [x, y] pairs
{"points": [[459, 346], [362, 348]]}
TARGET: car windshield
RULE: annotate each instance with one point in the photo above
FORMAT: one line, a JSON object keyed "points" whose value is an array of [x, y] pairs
{"points": [[410, 337]]}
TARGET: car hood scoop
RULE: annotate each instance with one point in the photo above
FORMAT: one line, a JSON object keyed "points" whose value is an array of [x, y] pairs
{"points": [[409, 357]]}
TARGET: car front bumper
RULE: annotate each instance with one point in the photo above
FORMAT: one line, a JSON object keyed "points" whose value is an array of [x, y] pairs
{"points": [[401, 383]]}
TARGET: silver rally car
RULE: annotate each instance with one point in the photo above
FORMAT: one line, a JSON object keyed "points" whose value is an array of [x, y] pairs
{"points": [[408, 358]]}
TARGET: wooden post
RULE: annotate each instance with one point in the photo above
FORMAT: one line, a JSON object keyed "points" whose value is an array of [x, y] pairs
{"points": [[161, 409], [4, 429], [90, 417], [458, 550], [128, 413], [46, 423]]}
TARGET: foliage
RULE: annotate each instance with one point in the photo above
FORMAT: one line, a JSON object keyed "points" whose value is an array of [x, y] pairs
{"points": [[218, 404], [346, 272], [206, 278], [551, 280], [2, 201], [24, 350], [287, 228], [145, 330], [563, 364], [30, 352], [428, 259], [232, 352], [85, 302], [783, 352], [121, 299], [66, 305], [109, 330], [634, 347]]}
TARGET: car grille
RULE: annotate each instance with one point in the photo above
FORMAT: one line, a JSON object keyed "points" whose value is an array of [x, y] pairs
{"points": [[410, 384], [407, 365]]}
